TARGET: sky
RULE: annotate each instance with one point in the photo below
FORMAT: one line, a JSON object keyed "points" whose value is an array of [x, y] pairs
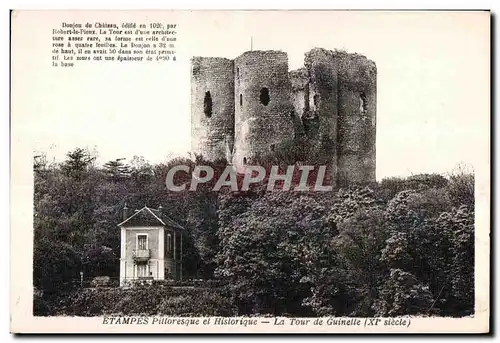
{"points": [[433, 100]]}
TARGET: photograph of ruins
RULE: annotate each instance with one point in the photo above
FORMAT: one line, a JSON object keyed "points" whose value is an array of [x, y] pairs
{"points": [[368, 159]]}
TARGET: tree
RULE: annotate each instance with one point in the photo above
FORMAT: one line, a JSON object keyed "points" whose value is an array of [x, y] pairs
{"points": [[55, 265], [117, 170], [263, 250], [389, 187], [345, 276], [77, 162], [402, 294], [203, 224], [459, 222], [461, 186], [434, 243], [359, 247]]}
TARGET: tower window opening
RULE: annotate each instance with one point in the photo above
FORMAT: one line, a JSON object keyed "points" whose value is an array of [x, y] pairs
{"points": [[241, 99], [362, 103], [316, 100], [264, 96], [196, 70], [207, 104], [238, 73], [244, 160], [307, 105]]}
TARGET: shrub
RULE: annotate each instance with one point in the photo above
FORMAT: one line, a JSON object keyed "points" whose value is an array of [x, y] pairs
{"points": [[389, 187], [403, 294], [461, 187], [139, 300]]}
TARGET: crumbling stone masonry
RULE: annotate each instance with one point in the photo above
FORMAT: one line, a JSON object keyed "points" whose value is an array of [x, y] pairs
{"points": [[212, 104], [252, 105]]}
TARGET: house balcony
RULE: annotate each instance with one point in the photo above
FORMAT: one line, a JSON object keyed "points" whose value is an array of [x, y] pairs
{"points": [[141, 255]]}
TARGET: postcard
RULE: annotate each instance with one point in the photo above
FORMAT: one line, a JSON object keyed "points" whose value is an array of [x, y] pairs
{"points": [[276, 171]]}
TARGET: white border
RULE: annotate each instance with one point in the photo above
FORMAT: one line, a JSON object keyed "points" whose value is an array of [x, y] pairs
{"points": [[103, 4]]}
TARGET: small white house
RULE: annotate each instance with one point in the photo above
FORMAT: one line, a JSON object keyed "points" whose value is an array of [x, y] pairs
{"points": [[151, 246]]}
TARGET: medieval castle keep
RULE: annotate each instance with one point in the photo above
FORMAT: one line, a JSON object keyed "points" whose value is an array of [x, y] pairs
{"points": [[252, 105]]}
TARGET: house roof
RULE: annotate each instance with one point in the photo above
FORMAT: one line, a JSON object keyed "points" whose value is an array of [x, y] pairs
{"points": [[149, 216]]}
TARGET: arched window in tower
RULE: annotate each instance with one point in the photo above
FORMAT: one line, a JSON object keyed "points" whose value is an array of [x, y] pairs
{"points": [[241, 99], [316, 101], [238, 73], [362, 103], [244, 160], [196, 70], [207, 104], [264, 96]]}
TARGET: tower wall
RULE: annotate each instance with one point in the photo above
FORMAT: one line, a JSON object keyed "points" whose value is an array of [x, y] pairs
{"points": [[300, 99], [322, 117], [212, 107], [357, 100], [300, 91], [262, 104]]}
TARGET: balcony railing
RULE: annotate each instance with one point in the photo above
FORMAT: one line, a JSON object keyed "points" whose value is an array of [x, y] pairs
{"points": [[141, 254]]}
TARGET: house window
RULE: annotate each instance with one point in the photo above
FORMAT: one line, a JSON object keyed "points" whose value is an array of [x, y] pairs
{"points": [[142, 270], [169, 243], [142, 242]]}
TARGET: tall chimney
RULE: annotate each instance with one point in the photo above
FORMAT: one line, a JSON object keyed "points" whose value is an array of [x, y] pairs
{"points": [[125, 212]]}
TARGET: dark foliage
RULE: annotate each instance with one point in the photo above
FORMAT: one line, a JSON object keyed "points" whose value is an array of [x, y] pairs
{"points": [[140, 300], [401, 246]]}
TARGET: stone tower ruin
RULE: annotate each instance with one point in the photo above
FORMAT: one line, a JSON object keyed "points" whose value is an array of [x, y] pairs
{"points": [[262, 104], [252, 105], [212, 107]]}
